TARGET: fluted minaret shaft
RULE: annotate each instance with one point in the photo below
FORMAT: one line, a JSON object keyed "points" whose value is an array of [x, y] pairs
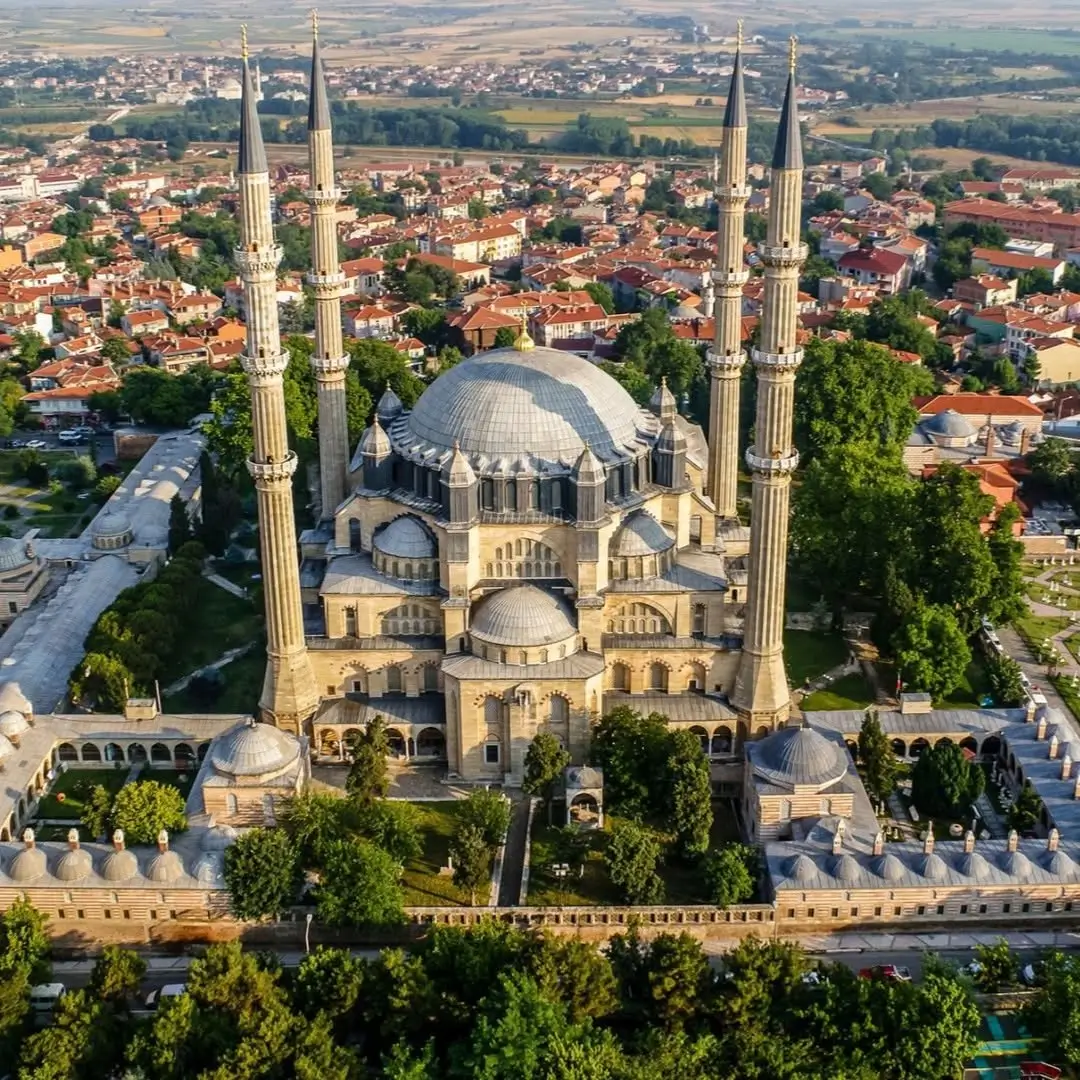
{"points": [[761, 690], [328, 283], [289, 696], [726, 358]]}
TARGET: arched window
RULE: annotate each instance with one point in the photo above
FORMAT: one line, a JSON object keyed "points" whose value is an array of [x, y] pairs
{"points": [[393, 679], [696, 680], [699, 620], [620, 677], [231, 804], [658, 678], [526, 558], [90, 752], [354, 534], [638, 619], [350, 622], [431, 679], [560, 710], [411, 619]]}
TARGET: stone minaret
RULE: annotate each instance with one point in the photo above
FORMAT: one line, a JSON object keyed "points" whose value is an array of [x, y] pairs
{"points": [[726, 358], [288, 696], [328, 282], [761, 690]]}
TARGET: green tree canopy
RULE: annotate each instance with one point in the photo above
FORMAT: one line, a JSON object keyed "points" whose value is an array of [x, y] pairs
{"points": [[262, 874], [944, 784], [144, 808]]}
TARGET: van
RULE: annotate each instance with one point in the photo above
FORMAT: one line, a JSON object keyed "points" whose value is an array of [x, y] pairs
{"points": [[44, 998], [169, 990]]}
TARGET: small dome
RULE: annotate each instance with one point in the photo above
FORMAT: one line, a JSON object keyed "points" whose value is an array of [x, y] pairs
{"points": [[1059, 864], [888, 867], [685, 311], [523, 615], [972, 864], [584, 776], [28, 865], [210, 870], [120, 865], [12, 697], [845, 868], [6, 747], [950, 424], [219, 838], [13, 724], [1054, 718], [111, 529], [74, 865], [14, 553], [253, 749], [932, 867], [640, 534], [405, 537], [1011, 434], [1016, 864], [165, 866], [798, 756], [802, 868], [389, 405]]}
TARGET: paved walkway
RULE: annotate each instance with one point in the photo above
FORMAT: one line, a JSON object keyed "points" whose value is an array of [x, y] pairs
{"points": [[227, 585], [220, 662], [991, 818], [517, 839]]}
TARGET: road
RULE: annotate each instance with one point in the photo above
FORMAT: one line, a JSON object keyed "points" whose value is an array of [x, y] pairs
{"points": [[116, 114]]}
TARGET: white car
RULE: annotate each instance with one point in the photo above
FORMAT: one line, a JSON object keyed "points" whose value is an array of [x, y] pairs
{"points": [[36, 444], [170, 990]]}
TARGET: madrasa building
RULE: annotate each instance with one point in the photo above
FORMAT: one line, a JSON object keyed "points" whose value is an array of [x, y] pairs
{"points": [[526, 547]]}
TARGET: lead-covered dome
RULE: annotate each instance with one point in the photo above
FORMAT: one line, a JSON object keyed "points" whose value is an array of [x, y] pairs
{"points": [[523, 615], [14, 553], [949, 424], [111, 530], [254, 749], [640, 534], [406, 537], [13, 724], [800, 756], [541, 407]]}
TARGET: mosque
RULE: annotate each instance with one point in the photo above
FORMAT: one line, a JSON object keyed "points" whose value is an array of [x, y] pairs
{"points": [[526, 547]]}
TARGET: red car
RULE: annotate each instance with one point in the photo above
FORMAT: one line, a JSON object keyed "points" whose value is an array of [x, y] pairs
{"points": [[889, 972]]}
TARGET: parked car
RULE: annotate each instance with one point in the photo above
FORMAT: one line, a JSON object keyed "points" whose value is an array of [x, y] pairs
{"points": [[888, 972], [169, 990], [44, 997], [72, 435], [36, 444]]}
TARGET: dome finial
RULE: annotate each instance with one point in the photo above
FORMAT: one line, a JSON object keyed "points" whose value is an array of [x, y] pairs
{"points": [[793, 48], [524, 343], [738, 34], [315, 24], [243, 41]]}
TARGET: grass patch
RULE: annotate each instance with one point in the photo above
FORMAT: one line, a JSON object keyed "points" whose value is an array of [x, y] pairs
{"points": [[974, 685], [172, 778], [243, 685], [849, 692], [421, 881], [1033, 628], [75, 785], [56, 526], [1063, 684], [809, 655], [1039, 594], [222, 622]]}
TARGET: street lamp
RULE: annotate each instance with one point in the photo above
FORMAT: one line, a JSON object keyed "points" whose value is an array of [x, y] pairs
{"points": [[560, 871], [307, 931]]}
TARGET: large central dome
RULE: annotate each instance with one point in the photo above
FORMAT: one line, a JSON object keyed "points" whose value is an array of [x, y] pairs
{"points": [[539, 406]]}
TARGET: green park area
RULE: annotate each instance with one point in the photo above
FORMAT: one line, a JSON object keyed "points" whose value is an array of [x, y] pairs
{"points": [[848, 692], [75, 786], [423, 884]]}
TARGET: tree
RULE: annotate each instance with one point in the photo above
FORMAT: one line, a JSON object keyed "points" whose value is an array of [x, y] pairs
{"points": [[632, 856], [179, 524], [262, 874], [359, 885], [944, 784], [357, 406], [727, 874], [998, 967], [24, 945], [601, 294], [1051, 462], [328, 981], [144, 808], [577, 973], [1025, 810], [392, 826], [879, 762], [631, 749], [80, 472], [828, 200], [489, 812], [103, 681], [505, 337], [1006, 600], [879, 185], [313, 819], [117, 975], [689, 793], [116, 350], [679, 980], [1053, 1015], [545, 762], [97, 810], [28, 346], [228, 431], [931, 650], [470, 854], [1004, 675], [369, 774]]}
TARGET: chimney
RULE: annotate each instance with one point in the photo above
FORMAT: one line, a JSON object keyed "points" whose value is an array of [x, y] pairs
{"points": [[1066, 766], [1025, 438], [1054, 743], [1040, 728], [163, 841], [969, 842], [928, 839], [1014, 840], [838, 841], [1029, 711], [73, 839], [118, 840], [989, 440], [1052, 840], [1076, 786], [879, 843], [28, 838]]}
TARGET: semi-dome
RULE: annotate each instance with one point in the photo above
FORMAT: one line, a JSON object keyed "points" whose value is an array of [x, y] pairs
{"points": [[210, 870], [405, 537], [542, 406], [800, 756], [973, 865], [950, 424], [218, 838], [931, 866], [523, 615], [1059, 864], [253, 749], [7, 748], [640, 534], [14, 553], [1016, 864], [13, 724], [12, 697]]}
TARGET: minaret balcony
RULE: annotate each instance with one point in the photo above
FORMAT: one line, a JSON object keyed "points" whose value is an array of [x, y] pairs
{"points": [[733, 193], [725, 361], [325, 196], [783, 254], [781, 463], [326, 281], [263, 260], [329, 365], [777, 361], [730, 278], [272, 471], [267, 366]]}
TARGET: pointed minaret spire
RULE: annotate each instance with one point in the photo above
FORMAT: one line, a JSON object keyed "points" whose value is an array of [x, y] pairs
{"points": [[726, 358], [289, 696], [252, 152], [761, 695], [329, 360], [788, 151]]}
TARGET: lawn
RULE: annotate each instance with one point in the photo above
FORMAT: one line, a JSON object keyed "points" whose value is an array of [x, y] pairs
{"points": [[809, 655], [423, 885], [974, 685], [1040, 594], [1034, 628], [172, 777], [848, 692], [222, 622], [243, 685], [75, 785]]}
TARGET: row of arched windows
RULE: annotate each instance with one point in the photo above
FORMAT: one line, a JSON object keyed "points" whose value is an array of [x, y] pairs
{"points": [[417, 620], [525, 559], [638, 619]]}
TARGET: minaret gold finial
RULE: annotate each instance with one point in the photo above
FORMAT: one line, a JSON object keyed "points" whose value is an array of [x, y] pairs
{"points": [[524, 343], [315, 23], [793, 48], [738, 34], [243, 41]]}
